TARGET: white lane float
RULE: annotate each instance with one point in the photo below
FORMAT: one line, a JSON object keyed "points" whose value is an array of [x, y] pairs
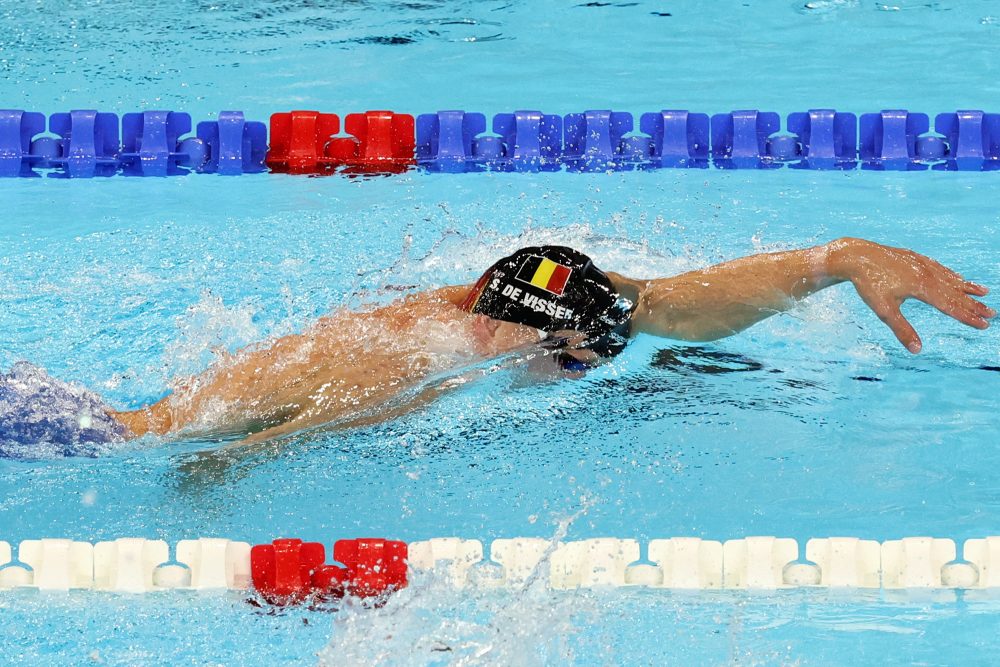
{"points": [[756, 563]]}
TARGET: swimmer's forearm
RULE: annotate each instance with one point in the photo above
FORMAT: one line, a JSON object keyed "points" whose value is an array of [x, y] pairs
{"points": [[724, 299]]}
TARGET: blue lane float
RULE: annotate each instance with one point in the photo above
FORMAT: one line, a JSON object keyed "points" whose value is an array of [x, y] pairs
{"points": [[827, 138], [455, 141], [229, 146], [532, 140], [90, 143], [448, 141], [595, 140], [889, 140], [740, 139], [150, 143], [18, 130], [972, 139], [679, 138]]}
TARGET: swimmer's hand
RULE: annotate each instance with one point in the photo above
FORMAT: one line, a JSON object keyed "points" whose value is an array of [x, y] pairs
{"points": [[721, 300], [885, 277]]}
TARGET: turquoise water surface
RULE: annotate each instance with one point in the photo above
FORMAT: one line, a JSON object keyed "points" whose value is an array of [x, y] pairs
{"points": [[822, 426]]}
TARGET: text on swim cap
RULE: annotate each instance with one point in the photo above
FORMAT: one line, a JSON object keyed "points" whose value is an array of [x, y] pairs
{"points": [[536, 303]]}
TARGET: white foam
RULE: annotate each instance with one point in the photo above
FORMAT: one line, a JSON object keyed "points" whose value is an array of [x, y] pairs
{"points": [[207, 329]]}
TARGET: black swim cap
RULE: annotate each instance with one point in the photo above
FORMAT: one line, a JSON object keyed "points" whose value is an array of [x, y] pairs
{"points": [[553, 288]]}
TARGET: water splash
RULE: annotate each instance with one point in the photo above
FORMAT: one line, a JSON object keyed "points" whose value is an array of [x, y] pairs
{"points": [[432, 623], [208, 330], [466, 257]]}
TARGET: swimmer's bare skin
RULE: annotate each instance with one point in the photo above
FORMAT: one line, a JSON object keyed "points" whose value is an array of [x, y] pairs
{"points": [[349, 363], [345, 364]]}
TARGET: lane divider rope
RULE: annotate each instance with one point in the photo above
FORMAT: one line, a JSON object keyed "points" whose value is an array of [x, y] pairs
{"points": [[88, 143], [290, 570]]}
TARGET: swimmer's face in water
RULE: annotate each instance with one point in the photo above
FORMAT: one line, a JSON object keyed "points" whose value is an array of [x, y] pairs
{"points": [[495, 337]]}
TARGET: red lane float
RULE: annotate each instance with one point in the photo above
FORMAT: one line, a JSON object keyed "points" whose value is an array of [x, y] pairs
{"points": [[282, 571], [289, 570], [374, 566], [299, 141], [304, 142], [385, 142]]}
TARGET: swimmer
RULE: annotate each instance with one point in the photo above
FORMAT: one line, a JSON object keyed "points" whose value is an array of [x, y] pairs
{"points": [[349, 365]]}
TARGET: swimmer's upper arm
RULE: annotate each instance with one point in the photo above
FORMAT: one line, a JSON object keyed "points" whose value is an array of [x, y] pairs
{"points": [[660, 308], [721, 300], [681, 308]]}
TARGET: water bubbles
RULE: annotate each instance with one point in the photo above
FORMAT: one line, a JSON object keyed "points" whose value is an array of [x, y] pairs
{"points": [[208, 328]]}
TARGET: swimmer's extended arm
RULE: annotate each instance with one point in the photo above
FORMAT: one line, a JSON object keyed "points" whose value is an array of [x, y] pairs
{"points": [[724, 299]]}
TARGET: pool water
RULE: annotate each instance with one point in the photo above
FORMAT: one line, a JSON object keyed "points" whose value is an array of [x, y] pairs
{"points": [[810, 424]]}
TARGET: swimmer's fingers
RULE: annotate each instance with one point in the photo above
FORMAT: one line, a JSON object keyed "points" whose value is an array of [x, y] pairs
{"points": [[959, 306], [949, 292], [900, 327], [970, 287], [888, 311]]}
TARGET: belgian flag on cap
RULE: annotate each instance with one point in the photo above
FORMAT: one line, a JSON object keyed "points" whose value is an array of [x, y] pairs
{"points": [[545, 274]]}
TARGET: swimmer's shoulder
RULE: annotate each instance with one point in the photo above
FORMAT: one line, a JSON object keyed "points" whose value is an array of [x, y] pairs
{"points": [[452, 294]]}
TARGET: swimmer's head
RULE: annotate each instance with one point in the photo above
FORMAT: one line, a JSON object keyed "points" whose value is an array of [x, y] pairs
{"points": [[556, 290]]}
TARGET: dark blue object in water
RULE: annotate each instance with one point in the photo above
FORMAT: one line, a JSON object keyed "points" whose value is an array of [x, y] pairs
{"points": [[446, 141], [593, 140], [637, 148], [973, 139], [149, 142], [89, 143], [829, 138], [233, 145], [41, 416], [739, 139], [680, 139], [931, 147], [17, 129], [888, 140], [487, 148], [783, 147], [532, 140]]}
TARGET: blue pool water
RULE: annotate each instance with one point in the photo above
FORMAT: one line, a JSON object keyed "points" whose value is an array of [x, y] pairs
{"points": [[825, 426]]}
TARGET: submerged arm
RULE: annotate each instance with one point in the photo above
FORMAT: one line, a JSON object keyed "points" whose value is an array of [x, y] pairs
{"points": [[724, 299], [265, 384]]}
